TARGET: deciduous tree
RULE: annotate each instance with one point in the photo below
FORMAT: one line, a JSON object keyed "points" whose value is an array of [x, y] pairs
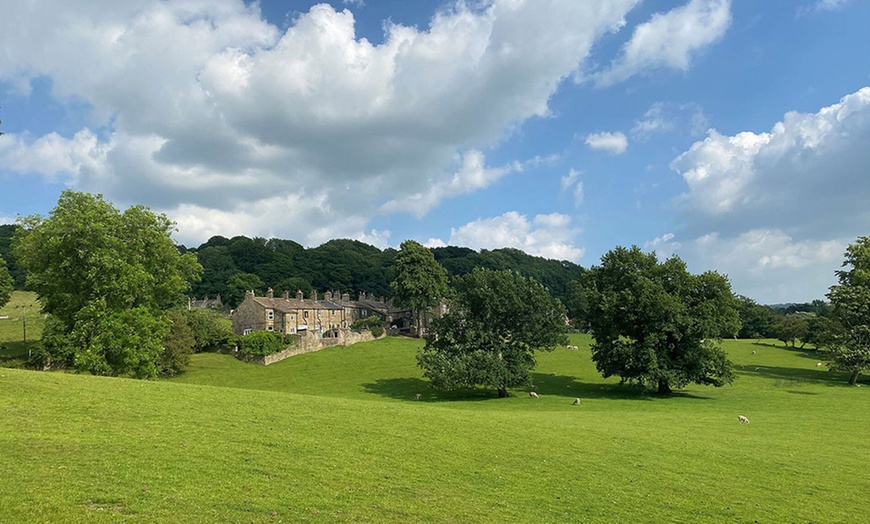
{"points": [[106, 278], [420, 281], [6, 284], [655, 323], [496, 322], [850, 304]]}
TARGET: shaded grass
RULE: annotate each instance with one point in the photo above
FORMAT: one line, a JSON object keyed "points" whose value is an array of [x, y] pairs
{"points": [[12, 342], [336, 436]]}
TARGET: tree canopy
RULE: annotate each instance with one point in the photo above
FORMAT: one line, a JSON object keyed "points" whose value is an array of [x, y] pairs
{"points": [[420, 281], [495, 323], [850, 304], [655, 323], [6, 286], [106, 279]]}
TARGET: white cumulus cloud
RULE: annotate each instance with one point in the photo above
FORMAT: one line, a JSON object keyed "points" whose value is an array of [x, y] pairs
{"points": [[210, 113], [613, 143], [775, 210], [550, 236], [669, 40]]}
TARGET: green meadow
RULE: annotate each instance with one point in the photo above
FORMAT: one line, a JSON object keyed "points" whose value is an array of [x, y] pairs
{"points": [[338, 436], [12, 345]]}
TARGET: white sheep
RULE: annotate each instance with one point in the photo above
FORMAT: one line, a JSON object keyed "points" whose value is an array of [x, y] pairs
{"points": [[742, 419], [576, 402], [533, 394], [753, 352], [819, 365], [418, 396]]}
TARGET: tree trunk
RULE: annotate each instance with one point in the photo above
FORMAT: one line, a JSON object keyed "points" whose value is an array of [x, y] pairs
{"points": [[854, 378], [502, 393], [664, 388]]}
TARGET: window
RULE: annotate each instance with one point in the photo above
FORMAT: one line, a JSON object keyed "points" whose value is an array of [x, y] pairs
{"points": [[292, 330], [270, 315], [305, 314], [318, 314], [247, 331], [292, 317], [269, 328]]}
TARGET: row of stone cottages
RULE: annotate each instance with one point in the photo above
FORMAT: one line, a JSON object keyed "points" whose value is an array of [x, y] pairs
{"points": [[327, 317]]}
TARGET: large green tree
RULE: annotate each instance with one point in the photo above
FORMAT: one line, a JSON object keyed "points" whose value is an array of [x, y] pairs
{"points": [[495, 323], [106, 279], [850, 304], [655, 323], [6, 285], [420, 280]]}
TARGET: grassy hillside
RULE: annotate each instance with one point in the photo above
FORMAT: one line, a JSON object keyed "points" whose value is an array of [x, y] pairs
{"points": [[12, 328], [336, 436]]}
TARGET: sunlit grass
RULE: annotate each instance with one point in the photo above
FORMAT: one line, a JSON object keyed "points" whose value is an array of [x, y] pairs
{"points": [[337, 436]]}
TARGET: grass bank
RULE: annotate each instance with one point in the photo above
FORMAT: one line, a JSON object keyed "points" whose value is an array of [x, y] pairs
{"points": [[336, 436]]}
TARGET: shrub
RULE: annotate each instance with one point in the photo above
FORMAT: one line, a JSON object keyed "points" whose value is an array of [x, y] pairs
{"points": [[366, 323], [377, 331], [261, 343]]}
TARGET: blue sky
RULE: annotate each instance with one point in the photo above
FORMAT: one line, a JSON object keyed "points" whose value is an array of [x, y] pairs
{"points": [[732, 133]]}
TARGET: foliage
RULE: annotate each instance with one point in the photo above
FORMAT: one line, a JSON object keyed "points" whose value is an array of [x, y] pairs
{"points": [[106, 279], [756, 321], [420, 281], [789, 329], [850, 305], [576, 304], [366, 323], [239, 284], [210, 331], [350, 266], [6, 284], [261, 343], [18, 274], [377, 331], [655, 323], [495, 323], [178, 343]]}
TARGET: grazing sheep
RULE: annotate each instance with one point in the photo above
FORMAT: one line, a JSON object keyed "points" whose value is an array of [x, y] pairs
{"points": [[756, 369], [576, 402], [534, 386], [819, 365], [533, 394], [418, 396], [742, 419], [753, 352], [572, 348]]}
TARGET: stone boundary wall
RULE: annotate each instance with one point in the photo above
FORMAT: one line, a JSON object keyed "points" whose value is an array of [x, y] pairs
{"points": [[305, 344]]}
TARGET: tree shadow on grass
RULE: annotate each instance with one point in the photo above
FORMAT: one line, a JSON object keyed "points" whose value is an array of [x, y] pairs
{"points": [[814, 376], [16, 349], [409, 388], [568, 386], [545, 385]]}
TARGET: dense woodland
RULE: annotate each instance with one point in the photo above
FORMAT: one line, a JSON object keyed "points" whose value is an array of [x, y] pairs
{"points": [[347, 265]]}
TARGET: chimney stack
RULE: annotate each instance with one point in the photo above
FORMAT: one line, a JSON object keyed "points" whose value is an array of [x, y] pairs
{"points": [[345, 297], [270, 293], [299, 295], [285, 295], [327, 295], [249, 293], [313, 294]]}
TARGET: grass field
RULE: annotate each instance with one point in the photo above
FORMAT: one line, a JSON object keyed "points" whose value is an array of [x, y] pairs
{"points": [[12, 327], [336, 436]]}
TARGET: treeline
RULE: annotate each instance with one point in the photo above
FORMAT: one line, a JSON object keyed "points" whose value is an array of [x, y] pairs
{"points": [[232, 265], [17, 272], [792, 324]]}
